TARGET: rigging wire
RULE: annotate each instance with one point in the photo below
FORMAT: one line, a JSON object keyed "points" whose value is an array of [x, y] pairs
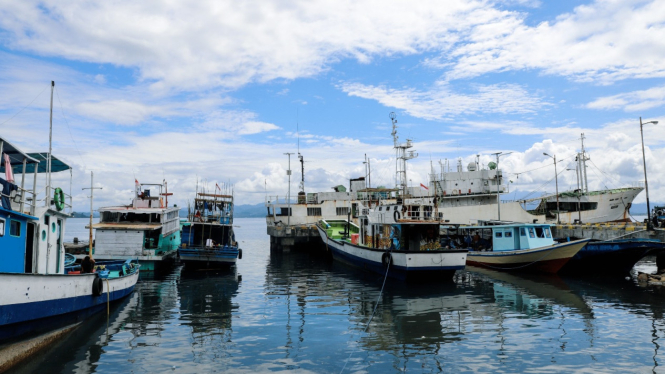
{"points": [[33, 100], [69, 128]]}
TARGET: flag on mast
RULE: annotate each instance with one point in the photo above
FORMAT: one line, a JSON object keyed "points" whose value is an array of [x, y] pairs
{"points": [[423, 186]]}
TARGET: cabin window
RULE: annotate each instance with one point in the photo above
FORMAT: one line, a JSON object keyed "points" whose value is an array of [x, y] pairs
{"points": [[548, 233], [15, 228], [380, 208], [342, 211], [522, 231], [498, 234], [387, 209], [508, 234], [531, 233], [540, 232], [313, 211], [2, 227]]}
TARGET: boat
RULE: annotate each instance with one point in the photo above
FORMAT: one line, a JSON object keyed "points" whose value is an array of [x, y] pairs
{"points": [[401, 241], [615, 256], [470, 196], [208, 240], [148, 230], [515, 247], [39, 292]]}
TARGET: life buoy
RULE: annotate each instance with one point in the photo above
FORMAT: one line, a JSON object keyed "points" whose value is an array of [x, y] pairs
{"points": [[396, 215], [386, 259], [97, 286], [59, 199]]}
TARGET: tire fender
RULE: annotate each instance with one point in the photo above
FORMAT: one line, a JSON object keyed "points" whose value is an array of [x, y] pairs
{"points": [[386, 259], [97, 286]]}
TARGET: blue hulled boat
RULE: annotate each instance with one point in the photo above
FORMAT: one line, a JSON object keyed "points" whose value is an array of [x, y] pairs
{"points": [[612, 256], [39, 291], [208, 240]]}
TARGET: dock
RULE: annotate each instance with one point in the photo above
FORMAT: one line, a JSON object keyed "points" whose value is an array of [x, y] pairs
{"points": [[285, 238]]}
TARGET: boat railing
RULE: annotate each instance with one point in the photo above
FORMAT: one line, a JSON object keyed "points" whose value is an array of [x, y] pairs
{"points": [[270, 200]]}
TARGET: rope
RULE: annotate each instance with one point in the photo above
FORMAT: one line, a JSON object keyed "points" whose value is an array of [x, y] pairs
{"points": [[378, 300], [108, 299]]}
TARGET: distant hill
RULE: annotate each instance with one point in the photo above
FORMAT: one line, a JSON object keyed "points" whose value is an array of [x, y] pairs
{"points": [[250, 211]]}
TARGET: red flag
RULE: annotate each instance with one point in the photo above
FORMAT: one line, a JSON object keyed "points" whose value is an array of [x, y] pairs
{"points": [[136, 181], [9, 173], [217, 185], [423, 186]]}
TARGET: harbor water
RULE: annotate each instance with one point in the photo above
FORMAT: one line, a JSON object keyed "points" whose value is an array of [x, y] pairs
{"points": [[298, 312]]}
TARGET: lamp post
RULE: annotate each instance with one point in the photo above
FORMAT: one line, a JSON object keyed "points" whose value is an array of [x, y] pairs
{"points": [[498, 183], [556, 181], [646, 185], [288, 199]]}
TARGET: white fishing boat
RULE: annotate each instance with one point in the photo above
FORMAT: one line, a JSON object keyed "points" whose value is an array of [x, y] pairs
{"points": [[148, 230], [399, 240], [39, 292]]}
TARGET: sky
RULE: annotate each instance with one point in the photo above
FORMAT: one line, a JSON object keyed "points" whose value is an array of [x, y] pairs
{"points": [[217, 92]]}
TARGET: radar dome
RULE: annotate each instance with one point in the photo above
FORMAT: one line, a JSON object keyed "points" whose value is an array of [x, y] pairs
{"points": [[492, 165], [471, 166]]}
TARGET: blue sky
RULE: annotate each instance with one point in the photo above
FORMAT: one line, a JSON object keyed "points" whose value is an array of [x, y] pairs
{"points": [[215, 90]]}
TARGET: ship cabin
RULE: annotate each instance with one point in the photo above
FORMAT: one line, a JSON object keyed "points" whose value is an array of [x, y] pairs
{"points": [[501, 237], [210, 222], [31, 225], [148, 227]]}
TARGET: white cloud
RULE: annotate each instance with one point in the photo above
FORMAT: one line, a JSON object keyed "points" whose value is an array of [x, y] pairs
{"points": [[605, 41], [439, 102], [631, 101], [183, 45]]}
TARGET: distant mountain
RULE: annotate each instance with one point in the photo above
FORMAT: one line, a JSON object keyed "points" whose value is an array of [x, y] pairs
{"points": [[240, 211], [95, 214], [250, 211]]}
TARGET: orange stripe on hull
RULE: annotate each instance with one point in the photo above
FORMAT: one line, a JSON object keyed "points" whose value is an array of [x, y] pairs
{"points": [[546, 266]]}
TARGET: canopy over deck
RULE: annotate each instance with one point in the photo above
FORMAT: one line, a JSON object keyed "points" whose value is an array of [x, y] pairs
{"points": [[39, 159], [16, 156]]}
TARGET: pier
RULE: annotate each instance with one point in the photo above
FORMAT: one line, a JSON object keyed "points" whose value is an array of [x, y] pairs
{"points": [[284, 238], [608, 231]]}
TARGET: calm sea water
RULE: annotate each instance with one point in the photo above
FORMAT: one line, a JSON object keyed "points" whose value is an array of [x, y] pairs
{"points": [[300, 313]]}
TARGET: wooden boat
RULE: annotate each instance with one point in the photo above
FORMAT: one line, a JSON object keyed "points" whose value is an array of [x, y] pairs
{"points": [[208, 240], [148, 230], [518, 247]]}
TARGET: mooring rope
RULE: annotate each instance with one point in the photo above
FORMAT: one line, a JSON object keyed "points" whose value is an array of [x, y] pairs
{"points": [[378, 300]]}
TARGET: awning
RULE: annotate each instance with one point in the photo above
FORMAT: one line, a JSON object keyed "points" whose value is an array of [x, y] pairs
{"points": [[16, 157]]}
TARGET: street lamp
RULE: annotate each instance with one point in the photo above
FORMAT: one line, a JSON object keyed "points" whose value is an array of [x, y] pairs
{"points": [[498, 184], [288, 198], [556, 181], [646, 185]]}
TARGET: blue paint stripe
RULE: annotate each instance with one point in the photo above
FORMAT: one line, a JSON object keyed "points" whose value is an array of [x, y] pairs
{"points": [[26, 312]]}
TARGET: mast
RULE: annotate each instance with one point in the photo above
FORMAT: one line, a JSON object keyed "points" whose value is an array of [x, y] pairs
{"points": [[92, 189], [47, 200], [583, 166], [401, 156]]}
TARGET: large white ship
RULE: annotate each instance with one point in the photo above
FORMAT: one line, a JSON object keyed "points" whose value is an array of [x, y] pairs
{"points": [[472, 195]]}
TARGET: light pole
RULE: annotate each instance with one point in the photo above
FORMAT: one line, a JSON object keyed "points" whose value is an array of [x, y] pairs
{"points": [[288, 201], [646, 185], [556, 181], [498, 183]]}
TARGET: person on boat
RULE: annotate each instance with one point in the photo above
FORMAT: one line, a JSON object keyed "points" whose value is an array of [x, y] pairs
{"points": [[197, 215], [475, 242], [87, 265]]}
